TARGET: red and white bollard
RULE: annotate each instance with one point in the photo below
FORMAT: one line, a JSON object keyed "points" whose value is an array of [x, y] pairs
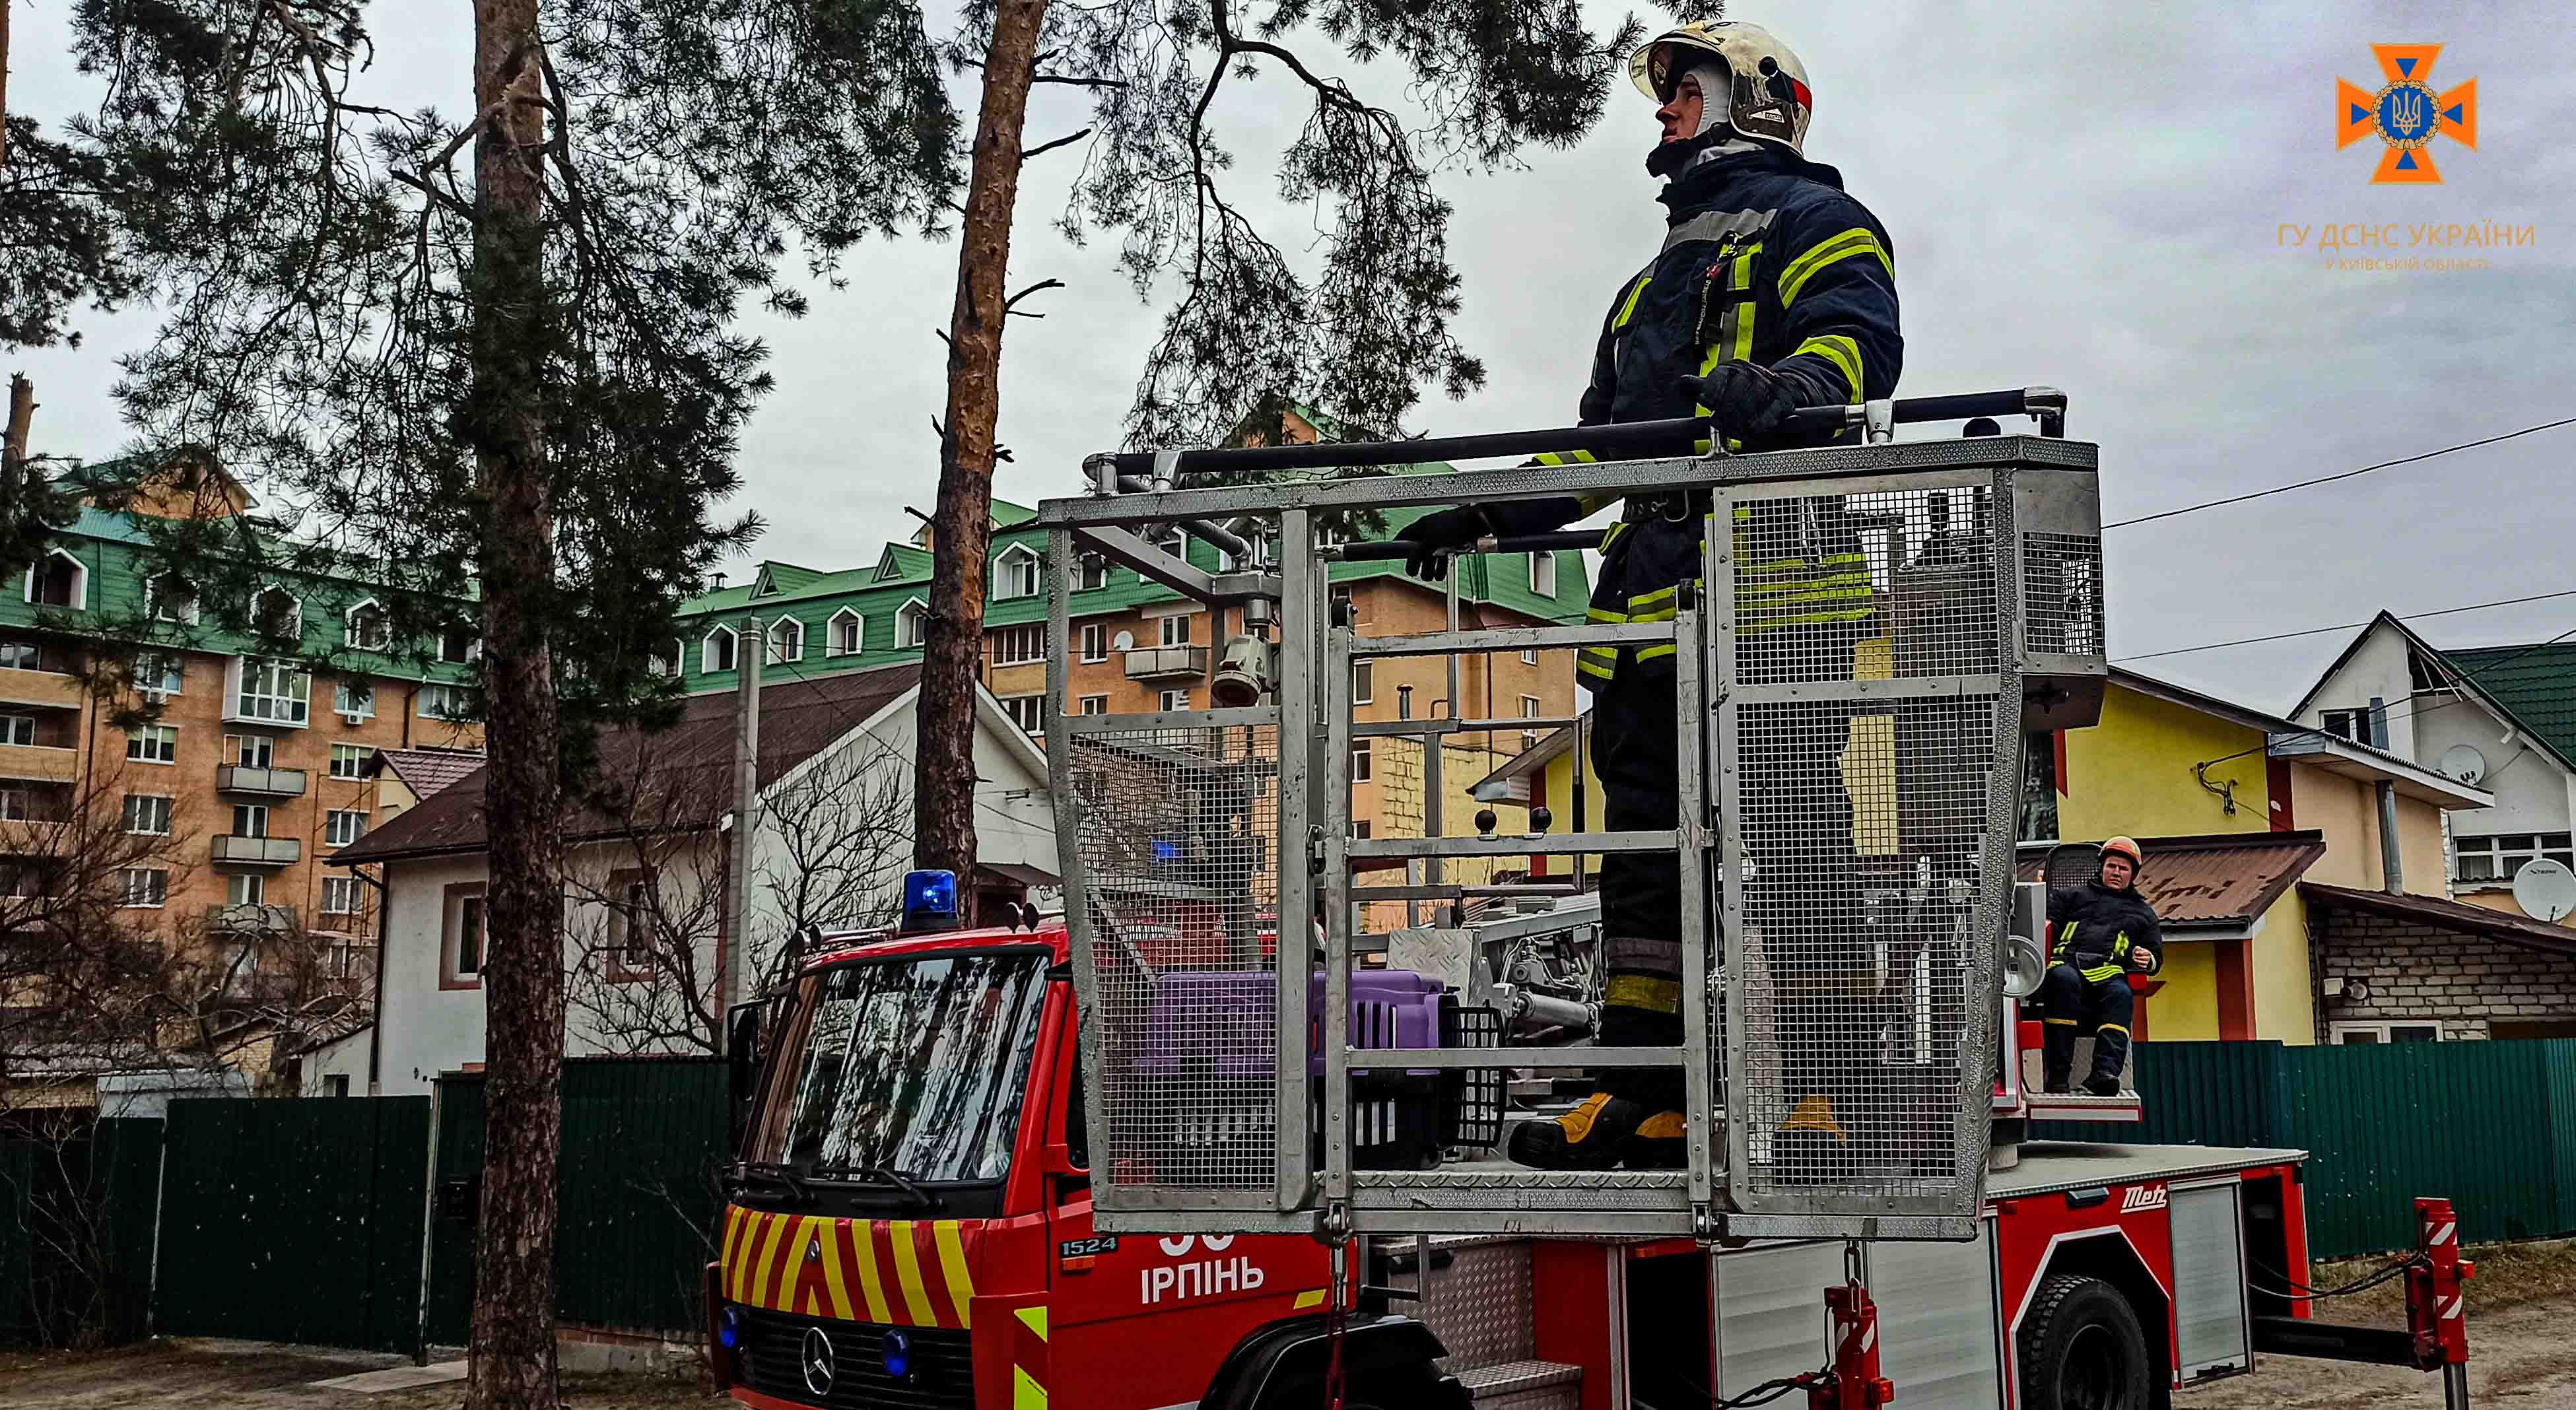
{"points": [[2434, 1300]]}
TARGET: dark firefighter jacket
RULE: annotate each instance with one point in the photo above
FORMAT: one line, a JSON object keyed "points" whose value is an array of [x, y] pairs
{"points": [[2094, 928], [1764, 260]]}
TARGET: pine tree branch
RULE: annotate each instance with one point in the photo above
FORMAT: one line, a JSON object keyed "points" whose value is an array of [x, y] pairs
{"points": [[1010, 305], [1045, 147]]}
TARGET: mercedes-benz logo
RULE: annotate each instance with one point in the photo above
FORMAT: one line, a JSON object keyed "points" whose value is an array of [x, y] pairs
{"points": [[817, 1361]]}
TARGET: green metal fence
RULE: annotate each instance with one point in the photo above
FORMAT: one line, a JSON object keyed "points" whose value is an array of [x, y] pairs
{"points": [[77, 1209], [2491, 1126]]}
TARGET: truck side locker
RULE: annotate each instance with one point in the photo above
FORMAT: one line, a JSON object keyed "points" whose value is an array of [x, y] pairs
{"points": [[1388, 1364]]}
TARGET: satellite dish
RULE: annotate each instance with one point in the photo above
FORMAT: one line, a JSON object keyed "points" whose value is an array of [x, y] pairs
{"points": [[2463, 762], [1126, 642], [2546, 890]]}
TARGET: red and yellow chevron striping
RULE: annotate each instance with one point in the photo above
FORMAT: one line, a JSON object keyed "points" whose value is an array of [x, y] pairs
{"points": [[903, 1272]]}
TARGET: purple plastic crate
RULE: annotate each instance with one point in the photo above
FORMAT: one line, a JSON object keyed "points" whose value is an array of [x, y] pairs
{"points": [[1224, 1020]]}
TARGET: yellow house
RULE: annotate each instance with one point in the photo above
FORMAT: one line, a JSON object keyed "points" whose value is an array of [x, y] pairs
{"points": [[2234, 806]]}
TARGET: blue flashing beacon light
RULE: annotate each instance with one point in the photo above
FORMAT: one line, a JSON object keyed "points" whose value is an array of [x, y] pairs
{"points": [[929, 902]]}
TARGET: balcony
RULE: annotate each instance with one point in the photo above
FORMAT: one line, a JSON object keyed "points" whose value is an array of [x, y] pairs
{"points": [[250, 915], [39, 761], [1162, 662], [258, 851], [46, 690], [273, 783]]}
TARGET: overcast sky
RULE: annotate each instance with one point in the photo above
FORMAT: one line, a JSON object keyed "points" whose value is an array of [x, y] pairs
{"points": [[2081, 195]]}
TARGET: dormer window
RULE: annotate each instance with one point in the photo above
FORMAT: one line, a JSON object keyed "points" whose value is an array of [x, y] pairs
{"points": [[366, 628], [847, 631], [58, 580], [274, 612], [715, 652], [912, 624], [1015, 573], [171, 598]]}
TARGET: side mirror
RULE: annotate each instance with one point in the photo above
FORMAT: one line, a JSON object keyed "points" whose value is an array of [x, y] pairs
{"points": [[743, 1053]]}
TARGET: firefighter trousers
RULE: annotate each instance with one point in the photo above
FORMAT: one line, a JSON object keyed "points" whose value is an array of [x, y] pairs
{"points": [[2074, 1006]]}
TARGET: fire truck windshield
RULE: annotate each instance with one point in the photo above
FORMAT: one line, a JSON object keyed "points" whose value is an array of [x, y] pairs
{"points": [[906, 1070]]}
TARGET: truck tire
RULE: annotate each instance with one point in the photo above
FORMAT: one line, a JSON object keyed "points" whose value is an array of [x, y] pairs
{"points": [[2081, 1348]]}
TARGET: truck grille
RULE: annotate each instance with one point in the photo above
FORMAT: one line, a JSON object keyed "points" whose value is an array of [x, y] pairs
{"points": [[941, 1376]]}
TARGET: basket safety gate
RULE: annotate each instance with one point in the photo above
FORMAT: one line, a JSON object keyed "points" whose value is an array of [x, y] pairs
{"points": [[1850, 768]]}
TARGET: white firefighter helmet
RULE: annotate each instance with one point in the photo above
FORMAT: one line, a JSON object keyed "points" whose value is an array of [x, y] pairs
{"points": [[1769, 101]]}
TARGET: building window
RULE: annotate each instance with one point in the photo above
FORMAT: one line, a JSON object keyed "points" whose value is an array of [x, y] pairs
{"points": [[160, 673], [150, 744], [147, 814], [2352, 1033], [464, 936], [1094, 572], [250, 820], [350, 760], [274, 612], [452, 703], [715, 653], [366, 628], [1026, 711], [18, 804], [356, 699], [2346, 724], [1095, 704], [250, 751], [274, 690], [1363, 682], [1542, 573], [786, 641], [247, 889], [1095, 641], [1174, 701], [1360, 829], [2496, 859], [17, 729], [630, 923], [21, 654], [1015, 573], [912, 625], [146, 886], [172, 598], [340, 895], [1529, 655], [1361, 771], [459, 646], [1529, 711], [58, 580], [344, 826], [848, 628], [2426, 676], [1175, 629], [1017, 646]]}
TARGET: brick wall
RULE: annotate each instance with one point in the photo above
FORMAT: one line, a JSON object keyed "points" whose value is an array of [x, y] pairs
{"points": [[2418, 972]]}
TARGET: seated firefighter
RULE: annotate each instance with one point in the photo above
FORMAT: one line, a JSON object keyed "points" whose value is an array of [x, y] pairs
{"points": [[2099, 934]]}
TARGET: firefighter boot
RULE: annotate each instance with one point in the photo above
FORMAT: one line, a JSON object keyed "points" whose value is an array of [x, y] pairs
{"points": [[2057, 1056], [1593, 1136]]}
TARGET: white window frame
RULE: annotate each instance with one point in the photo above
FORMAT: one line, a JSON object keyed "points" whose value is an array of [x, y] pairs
{"points": [[1095, 705], [1363, 761], [473, 646], [342, 694], [1531, 708], [707, 650], [2384, 1029], [1095, 641], [1364, 681], [912, 625], [1012, 645], [156, 885], [2505, 861], [1174, 702], [251, 820], [291, 703], [250, 751], [168, 804], [347, 897], [441, 690], [162, 673], [355, 640], [295, 619], [80, 578], [358, 756], [11, 728], [1034, 706], [858, 633], [775, 651], [332, 821], [1017, 573], [159, 737], [245, 888], [1542, 573], [1091, 573], [159, 612], [1165, 627], [1529, 655]]}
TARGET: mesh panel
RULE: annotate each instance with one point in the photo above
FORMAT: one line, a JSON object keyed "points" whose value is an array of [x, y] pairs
{"points": [[1177, 837], [2061, 578], [1863, 815]]}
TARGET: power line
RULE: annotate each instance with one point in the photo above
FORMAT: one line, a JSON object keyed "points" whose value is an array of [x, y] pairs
{"points": [[2342, 627], [2460, 678], [2346, 475]]}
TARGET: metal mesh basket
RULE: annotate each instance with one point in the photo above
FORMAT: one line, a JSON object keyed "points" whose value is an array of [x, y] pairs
{"points": [[1873, 656], [1177, 838], [2061, 578]]}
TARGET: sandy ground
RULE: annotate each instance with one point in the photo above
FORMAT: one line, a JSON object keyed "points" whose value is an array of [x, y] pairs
{"points": [[2522, 1306]]}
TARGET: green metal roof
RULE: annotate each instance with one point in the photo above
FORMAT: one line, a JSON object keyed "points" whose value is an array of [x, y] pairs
{"points": [[2535, 685]]}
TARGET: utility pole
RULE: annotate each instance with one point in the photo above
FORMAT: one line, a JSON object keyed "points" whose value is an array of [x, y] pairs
{"points": [[750, 653]]}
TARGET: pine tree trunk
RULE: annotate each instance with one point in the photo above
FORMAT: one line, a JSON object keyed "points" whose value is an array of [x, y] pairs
{"points": [[523, 978], [961, 529]]}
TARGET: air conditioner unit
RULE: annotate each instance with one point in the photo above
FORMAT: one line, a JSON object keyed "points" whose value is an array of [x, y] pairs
{"points": [[352, 717]]}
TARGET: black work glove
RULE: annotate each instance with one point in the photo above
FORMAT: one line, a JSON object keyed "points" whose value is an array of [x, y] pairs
{"points": [[1435, 536], [1746, 399]]}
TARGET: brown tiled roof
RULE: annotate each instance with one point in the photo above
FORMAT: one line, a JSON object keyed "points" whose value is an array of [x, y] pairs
{"points": [[2449, 915], [427, 771], [679, 777], [2224, 879]]}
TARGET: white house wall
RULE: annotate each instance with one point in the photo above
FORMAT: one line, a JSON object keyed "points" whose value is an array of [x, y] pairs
{"points": [[423, 1029]]}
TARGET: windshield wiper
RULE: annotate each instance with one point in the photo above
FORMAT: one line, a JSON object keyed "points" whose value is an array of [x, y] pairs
{"points": [[882, 1175], [785, 1177]]}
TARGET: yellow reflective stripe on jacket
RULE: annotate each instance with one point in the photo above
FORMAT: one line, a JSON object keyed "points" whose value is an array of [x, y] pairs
{"points": [[1734, 341], [1628, 310], [1850, 244], [1659, 649], [1842, 352], [2099, 973]]}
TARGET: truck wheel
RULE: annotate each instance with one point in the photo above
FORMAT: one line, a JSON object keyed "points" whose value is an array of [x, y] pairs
{"points": [[2081, 1348]]}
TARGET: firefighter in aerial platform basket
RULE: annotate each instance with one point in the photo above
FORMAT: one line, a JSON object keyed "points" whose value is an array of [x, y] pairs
{"points": [[1777, 290], [2099, 934]]}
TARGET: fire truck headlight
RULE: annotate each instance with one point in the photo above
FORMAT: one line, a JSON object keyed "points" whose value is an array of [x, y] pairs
{"points": [[729, 1328], [897, 1349]]}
